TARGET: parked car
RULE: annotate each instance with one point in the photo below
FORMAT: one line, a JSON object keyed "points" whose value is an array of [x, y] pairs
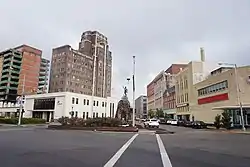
{"points": [[180, 122], [188, 124], [151, 123], [199, 125], [163, 121], [169, 121], [174, 122]]}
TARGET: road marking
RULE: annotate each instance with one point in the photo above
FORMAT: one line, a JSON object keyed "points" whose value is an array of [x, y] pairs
{"points": [[164, 156], [118, 154]]}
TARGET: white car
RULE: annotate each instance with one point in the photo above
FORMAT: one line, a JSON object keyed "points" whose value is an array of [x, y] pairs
{"points": [[151, 123], [174, 122], [169, 121]]}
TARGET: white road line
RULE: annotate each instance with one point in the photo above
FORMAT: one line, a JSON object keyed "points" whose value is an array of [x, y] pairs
{"points": [[118, 154], [164, 156]]}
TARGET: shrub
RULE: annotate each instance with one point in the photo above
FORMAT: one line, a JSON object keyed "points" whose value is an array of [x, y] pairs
{"points": [[226, 120], [217, 122], [23, 121], [91, 122]]}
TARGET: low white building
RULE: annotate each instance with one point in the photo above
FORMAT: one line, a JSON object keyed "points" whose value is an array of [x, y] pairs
{"points": [[55, 105]]}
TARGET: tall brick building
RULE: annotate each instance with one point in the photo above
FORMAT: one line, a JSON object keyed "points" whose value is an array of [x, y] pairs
{"points": [[87, 70], [19, 72]]}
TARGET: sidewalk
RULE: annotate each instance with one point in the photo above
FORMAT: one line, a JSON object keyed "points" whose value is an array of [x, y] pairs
{"points": [[26, 125], [233, 131]]}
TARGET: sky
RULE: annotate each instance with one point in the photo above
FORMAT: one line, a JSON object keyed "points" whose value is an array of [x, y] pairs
{"points": [[159, 33]]}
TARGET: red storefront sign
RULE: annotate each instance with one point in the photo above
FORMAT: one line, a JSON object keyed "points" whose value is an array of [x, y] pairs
{"points": [[212, 99]]}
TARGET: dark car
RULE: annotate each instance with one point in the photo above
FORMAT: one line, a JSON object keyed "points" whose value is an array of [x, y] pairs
{"points": [[188, 124], [199, 125], [181, 122]]}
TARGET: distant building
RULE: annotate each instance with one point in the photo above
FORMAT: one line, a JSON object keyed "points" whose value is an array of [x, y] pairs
{"points": [[43, 76], [218, 93], [19, 72], [87, 70], [141, 107], [51, 106], [195, 72], [156, 88], [169, 97]]}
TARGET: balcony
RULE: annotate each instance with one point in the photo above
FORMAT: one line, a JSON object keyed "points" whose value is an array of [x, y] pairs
{"points": [[14, 71], [17, 61], [8, 87], [6, 81], [6, 65], [8, 59], [15, 66]]}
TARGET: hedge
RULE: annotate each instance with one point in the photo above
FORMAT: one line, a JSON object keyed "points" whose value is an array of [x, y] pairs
{"points": [[24, 121]]}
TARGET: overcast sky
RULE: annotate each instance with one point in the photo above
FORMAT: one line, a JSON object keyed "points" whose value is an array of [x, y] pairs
{"points": [[158, 33]]}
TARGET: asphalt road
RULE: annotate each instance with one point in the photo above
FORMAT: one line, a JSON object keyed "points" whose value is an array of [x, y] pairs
{"points": [[38, 147]]}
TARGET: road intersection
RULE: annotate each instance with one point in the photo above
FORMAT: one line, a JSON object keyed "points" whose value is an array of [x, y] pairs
{"points": [[186, 147]]}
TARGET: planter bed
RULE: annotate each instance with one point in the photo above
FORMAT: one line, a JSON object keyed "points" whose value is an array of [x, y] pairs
{"points": [[113, 129]]}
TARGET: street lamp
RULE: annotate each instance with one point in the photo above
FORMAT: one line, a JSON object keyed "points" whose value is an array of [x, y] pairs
{"points": [[21, 102], [238, 93]]}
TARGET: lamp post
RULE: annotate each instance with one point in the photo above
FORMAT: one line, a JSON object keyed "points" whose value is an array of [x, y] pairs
{"points": [[21, 102], [238, 93]]}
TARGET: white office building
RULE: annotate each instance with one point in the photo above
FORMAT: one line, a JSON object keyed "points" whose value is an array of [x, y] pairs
{"points": [[55, 105]]}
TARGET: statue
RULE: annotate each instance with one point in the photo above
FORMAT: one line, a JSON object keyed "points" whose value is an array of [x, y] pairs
{"points": [[125, 91], [123, 111]]}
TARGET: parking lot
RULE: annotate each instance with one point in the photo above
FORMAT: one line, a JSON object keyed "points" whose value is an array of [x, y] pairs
{"points": [[187, 147]]}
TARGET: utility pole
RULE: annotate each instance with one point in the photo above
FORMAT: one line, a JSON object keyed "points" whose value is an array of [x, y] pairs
{"points": [[239, 98], [133, 117], [21, 103]]}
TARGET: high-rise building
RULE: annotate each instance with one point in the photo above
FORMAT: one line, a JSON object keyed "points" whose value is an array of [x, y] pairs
{"points": [[19, 71], [11, 61], [87, 70], [43, 76], [141, 107]]}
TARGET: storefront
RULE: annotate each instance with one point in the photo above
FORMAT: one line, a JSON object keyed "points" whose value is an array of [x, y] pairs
{"points": [[236, 115]]}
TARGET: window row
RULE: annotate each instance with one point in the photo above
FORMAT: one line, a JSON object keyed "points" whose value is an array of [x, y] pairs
{"points": [[86, 102], [213, 88], [85, 115], [182, 98]]}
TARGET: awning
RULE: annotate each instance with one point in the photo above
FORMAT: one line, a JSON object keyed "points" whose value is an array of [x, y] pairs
{"points": [[41, 110], [183, 113], [230, 107]]}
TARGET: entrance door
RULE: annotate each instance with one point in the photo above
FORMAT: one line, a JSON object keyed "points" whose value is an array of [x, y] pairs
{"points": [[47, 117]]}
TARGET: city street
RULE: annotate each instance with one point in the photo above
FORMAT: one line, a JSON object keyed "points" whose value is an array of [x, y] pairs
{"points": [[40, 147]]}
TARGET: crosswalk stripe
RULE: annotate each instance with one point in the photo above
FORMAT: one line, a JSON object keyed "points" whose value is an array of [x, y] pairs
{"points": [[164, 156], [118, 154]]}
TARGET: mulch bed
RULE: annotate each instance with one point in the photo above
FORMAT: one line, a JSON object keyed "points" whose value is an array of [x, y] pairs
{"points": [[113, 129]]}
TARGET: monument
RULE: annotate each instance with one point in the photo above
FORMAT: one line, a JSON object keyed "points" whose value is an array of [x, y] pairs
{"points": [[124, 111]]}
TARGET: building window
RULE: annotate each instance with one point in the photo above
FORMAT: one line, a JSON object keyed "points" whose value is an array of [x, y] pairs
{"points": [[84, 101], [76, 114], [83, 115], [102, 115], [73, 100], [93, 115], [102, 104], [87, 102], [76, 100], [213, 88], [94, 103], [97, 115], [87, 115]]}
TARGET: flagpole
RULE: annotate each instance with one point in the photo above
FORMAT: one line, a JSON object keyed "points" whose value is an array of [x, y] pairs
{"points": [[133, 118]]}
